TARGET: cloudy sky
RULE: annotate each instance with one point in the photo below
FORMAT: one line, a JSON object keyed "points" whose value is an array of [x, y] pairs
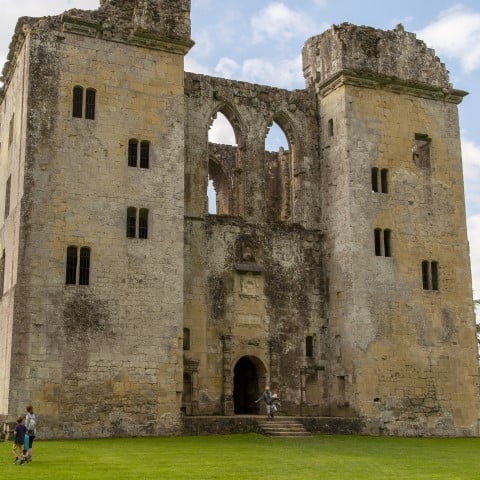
{"points": [[260, 41]]}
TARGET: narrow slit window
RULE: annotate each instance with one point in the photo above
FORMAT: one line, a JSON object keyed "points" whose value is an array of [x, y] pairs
{"points": [[84, 273], [2, 274], [131, 222], [144, 154], [11, 129], [387, 235], [143, 223], [309, 346], [7, 196], [132, 152], [374, 179], [434, 271], [425, 279], [90, 104], [330, 127], [186, 339], [384, 180], [71, 274], [378, 241], [77, 107]]}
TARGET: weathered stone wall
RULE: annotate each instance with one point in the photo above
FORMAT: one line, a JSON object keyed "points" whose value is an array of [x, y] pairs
{"points": [[13, 114], [251, 109], [260, 286], [259, 303], [405, 355], [102, 359]]}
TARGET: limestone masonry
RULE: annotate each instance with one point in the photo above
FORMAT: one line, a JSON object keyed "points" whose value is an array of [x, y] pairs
{"points": [[336, 271]]}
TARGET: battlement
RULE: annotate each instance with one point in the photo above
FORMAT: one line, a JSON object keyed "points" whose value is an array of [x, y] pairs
{"points": [[394, 54]]}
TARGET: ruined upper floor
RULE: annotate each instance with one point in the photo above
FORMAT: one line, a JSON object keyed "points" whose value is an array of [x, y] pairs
{"points": [[386, 57], [154, 24]]}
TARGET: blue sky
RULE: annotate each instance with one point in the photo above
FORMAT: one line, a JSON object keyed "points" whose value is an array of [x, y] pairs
{"points": [[261, 40]]}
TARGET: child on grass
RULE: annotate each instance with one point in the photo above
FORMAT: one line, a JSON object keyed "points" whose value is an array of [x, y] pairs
{"points": [[18, 440]]}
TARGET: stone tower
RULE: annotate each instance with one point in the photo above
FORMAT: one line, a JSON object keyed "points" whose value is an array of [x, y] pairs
{"points": [[399, 299], [92, 324]]}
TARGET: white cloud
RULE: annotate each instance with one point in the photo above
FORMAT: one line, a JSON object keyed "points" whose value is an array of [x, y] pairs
{"points": [[455, 34], [279, 22], [471, 173], [320, 3], [192, 65], [471, 161], [226, 67], [283, 74], [204, 44], [473, 225], [33, 8]]}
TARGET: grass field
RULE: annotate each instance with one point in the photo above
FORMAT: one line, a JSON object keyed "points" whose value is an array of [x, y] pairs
{"points": [[251, 457]]}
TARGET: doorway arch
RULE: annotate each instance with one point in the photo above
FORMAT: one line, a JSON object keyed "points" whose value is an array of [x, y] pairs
{"points": [[248, 383]]}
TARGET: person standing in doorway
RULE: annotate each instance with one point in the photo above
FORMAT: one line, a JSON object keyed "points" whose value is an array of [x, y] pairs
{"points": [[267, 398], [31, 425]]}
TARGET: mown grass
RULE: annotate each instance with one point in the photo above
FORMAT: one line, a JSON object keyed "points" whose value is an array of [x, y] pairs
{"points": [[250, 457]]}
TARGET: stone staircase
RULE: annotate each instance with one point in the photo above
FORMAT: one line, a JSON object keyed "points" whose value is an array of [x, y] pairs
{"points": [[283, 427]]}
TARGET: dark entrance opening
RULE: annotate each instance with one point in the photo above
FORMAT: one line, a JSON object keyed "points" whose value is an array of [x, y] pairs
{"points": [[245, 387]]}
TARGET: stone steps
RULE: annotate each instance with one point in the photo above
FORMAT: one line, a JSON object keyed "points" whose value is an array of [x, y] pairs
{"points": [[280, 427]]}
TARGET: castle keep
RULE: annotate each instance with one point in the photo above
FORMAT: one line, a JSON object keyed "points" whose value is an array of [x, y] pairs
{"points": [[336, 271]]}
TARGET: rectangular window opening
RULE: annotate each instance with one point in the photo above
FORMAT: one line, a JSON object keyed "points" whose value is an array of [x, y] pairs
{"points": [[425, 279], [71, 274], [309, 346], [421, 150], [84, 273], [378, 242], [144, 154], [7, 196], [434, 269], [132, 153], [330, 127], [11, 129], [143, 223], [77, 105], [131, 222], [90, 104], [374, 179], [384, 180], [2, 274], [387, 234], [186, 339]]}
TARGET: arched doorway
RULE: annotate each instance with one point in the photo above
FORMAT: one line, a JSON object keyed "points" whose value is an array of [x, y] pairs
{"points": [[247, 376]]}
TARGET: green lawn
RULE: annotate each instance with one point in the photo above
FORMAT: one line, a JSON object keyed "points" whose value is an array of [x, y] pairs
{"points": [[251, 457]]}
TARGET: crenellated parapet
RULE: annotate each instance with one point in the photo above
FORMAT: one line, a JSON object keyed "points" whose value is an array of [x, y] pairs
{"points": [[373, 57]]}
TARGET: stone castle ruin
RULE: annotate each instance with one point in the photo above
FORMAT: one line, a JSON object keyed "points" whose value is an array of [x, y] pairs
{"points": [[336, 271]]}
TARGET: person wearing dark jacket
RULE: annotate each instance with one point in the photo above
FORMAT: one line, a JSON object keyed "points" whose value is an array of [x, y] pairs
{"points": [[18, 439]]}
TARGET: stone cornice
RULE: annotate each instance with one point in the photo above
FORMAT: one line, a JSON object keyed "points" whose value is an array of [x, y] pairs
{"points": [[139, 38], [94, 24], [393, 85]]}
